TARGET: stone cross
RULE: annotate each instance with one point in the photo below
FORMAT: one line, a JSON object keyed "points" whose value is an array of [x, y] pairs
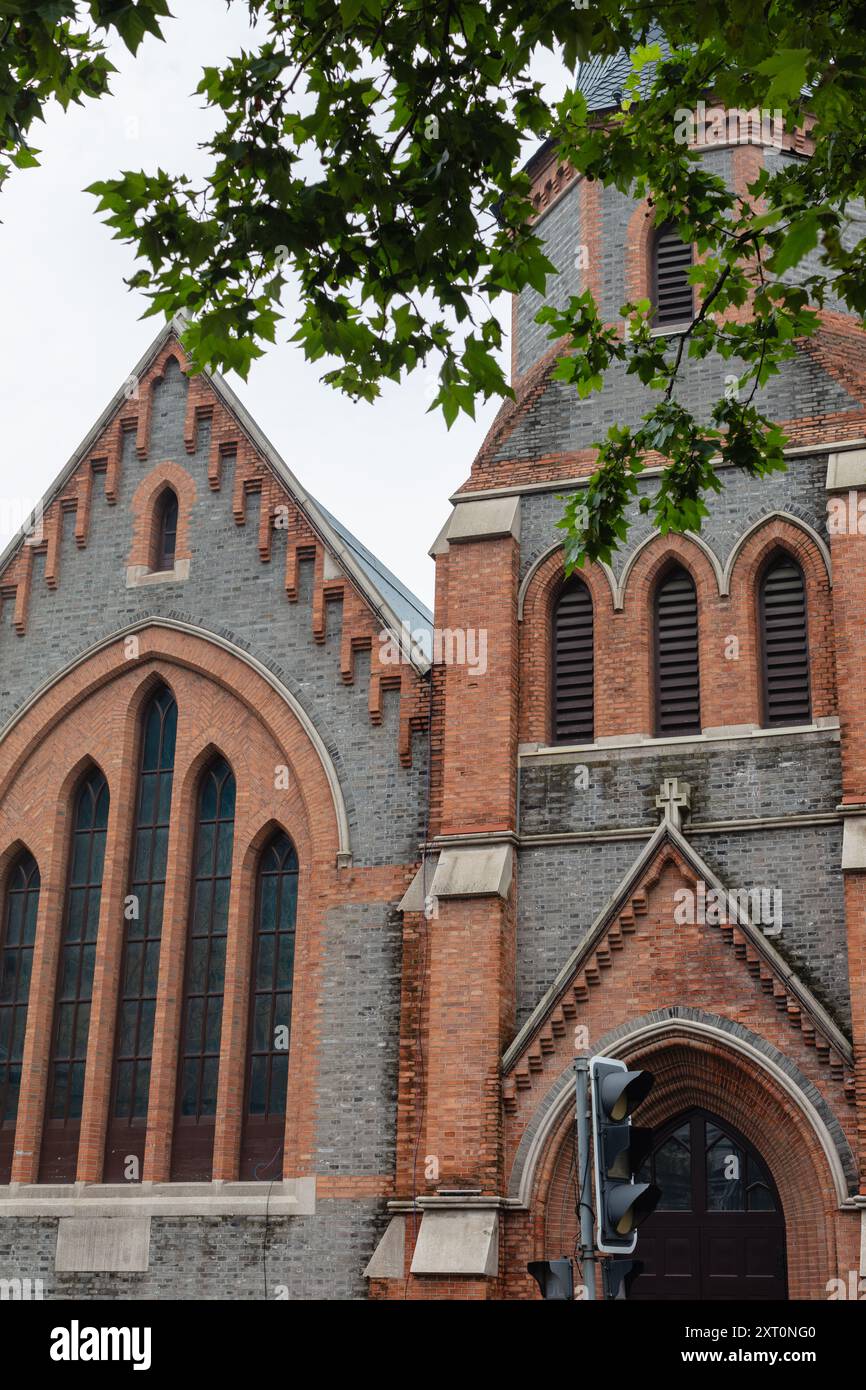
{"points": [[673, 799]]}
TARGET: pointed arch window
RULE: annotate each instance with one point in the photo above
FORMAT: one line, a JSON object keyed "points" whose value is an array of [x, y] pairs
{"points": [[74, 989], [133, 1039], [166, 530], [573, 673], [273, 962], [672, 292], [677, 674], [784, 643], [204, 976], [17, 935]]}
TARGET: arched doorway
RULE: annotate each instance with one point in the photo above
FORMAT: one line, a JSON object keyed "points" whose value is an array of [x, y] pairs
{"points": [[747, 1089], [718, 1231]]}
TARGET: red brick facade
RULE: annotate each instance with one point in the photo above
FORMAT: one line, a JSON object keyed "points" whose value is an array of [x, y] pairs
{"points": [[481, 1110]]}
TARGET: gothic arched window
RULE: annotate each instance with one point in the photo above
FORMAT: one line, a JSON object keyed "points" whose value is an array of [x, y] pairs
{"points": [[572, 683], [133, 1041], [166, 531], [17, 935], [273, 960], [75, 981], [677, 675], [672, 293], [204, 976], [784, 643]]}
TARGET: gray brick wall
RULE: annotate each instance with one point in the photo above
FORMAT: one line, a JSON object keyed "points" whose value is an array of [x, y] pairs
{"points": [[311, 1257], [742, 501], [852, 231], [230, 592], [734, 779], [564, 887], [359, 1041], [560, 421], [559, 232], [804, 864]]}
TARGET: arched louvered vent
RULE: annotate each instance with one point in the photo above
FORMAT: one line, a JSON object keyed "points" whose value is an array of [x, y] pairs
{"points": [[573, 665], [785, 644], [678, 691], [672, 293]]}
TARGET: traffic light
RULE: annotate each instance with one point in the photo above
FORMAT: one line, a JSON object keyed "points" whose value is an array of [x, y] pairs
{"points": [[555, 1278], [619, 1275], [620, 1147]]}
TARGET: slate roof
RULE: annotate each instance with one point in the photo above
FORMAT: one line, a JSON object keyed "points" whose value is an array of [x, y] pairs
{"points": [[403, 602], [602, 80]]}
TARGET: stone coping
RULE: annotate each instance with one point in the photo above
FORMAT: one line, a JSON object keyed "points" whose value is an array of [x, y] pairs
{"points": [[628, 746], [289, 1197]]}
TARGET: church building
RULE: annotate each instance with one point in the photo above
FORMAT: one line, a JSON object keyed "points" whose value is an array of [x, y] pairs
{"points": [[309, 897]]}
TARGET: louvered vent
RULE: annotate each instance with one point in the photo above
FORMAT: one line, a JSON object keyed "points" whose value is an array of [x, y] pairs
{"points": [[672, 293], [678, 691], [573, 665], [786, 645]]}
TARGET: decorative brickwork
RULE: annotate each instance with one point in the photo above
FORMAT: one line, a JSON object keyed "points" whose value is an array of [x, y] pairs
{"points": [[431, 1053], [730, 685], [144, 511], [252, 477]]}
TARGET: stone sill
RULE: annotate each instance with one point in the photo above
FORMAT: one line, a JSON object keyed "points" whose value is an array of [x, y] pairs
{"points": [[483, 1202], [639, 744], [291, 1197], [138, 576]]}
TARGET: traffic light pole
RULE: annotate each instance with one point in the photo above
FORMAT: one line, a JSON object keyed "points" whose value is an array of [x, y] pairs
{"points": [[587, 1246]]}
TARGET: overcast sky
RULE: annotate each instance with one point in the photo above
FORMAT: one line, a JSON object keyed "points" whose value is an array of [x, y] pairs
{"points": [[71, 329]]}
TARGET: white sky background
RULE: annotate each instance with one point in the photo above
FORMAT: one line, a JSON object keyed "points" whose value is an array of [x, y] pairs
{"points": [[71, 330]]}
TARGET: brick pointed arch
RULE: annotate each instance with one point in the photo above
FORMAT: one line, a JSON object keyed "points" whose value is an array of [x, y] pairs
{"points": [[639, 585], [284, 776], [638, 249], [180, 645], [536, 653], [748, 562], [784, 1044], [145, 508], [697, 1063]]}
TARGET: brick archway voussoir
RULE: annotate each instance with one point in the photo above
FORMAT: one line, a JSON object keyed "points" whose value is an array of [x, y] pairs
{"points": [[159, 644], [694, 1068]]}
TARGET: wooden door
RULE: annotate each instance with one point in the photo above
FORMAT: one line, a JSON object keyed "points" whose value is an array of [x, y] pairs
{"points": [[718, 1231]]}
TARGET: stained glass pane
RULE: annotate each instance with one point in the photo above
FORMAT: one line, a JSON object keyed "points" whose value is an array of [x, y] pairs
{"points": [[258, 1086], [140, 974], [204, 981], [725, 1172], [673, 1172], [759, 1193], [78, 954], [273, 958]]}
